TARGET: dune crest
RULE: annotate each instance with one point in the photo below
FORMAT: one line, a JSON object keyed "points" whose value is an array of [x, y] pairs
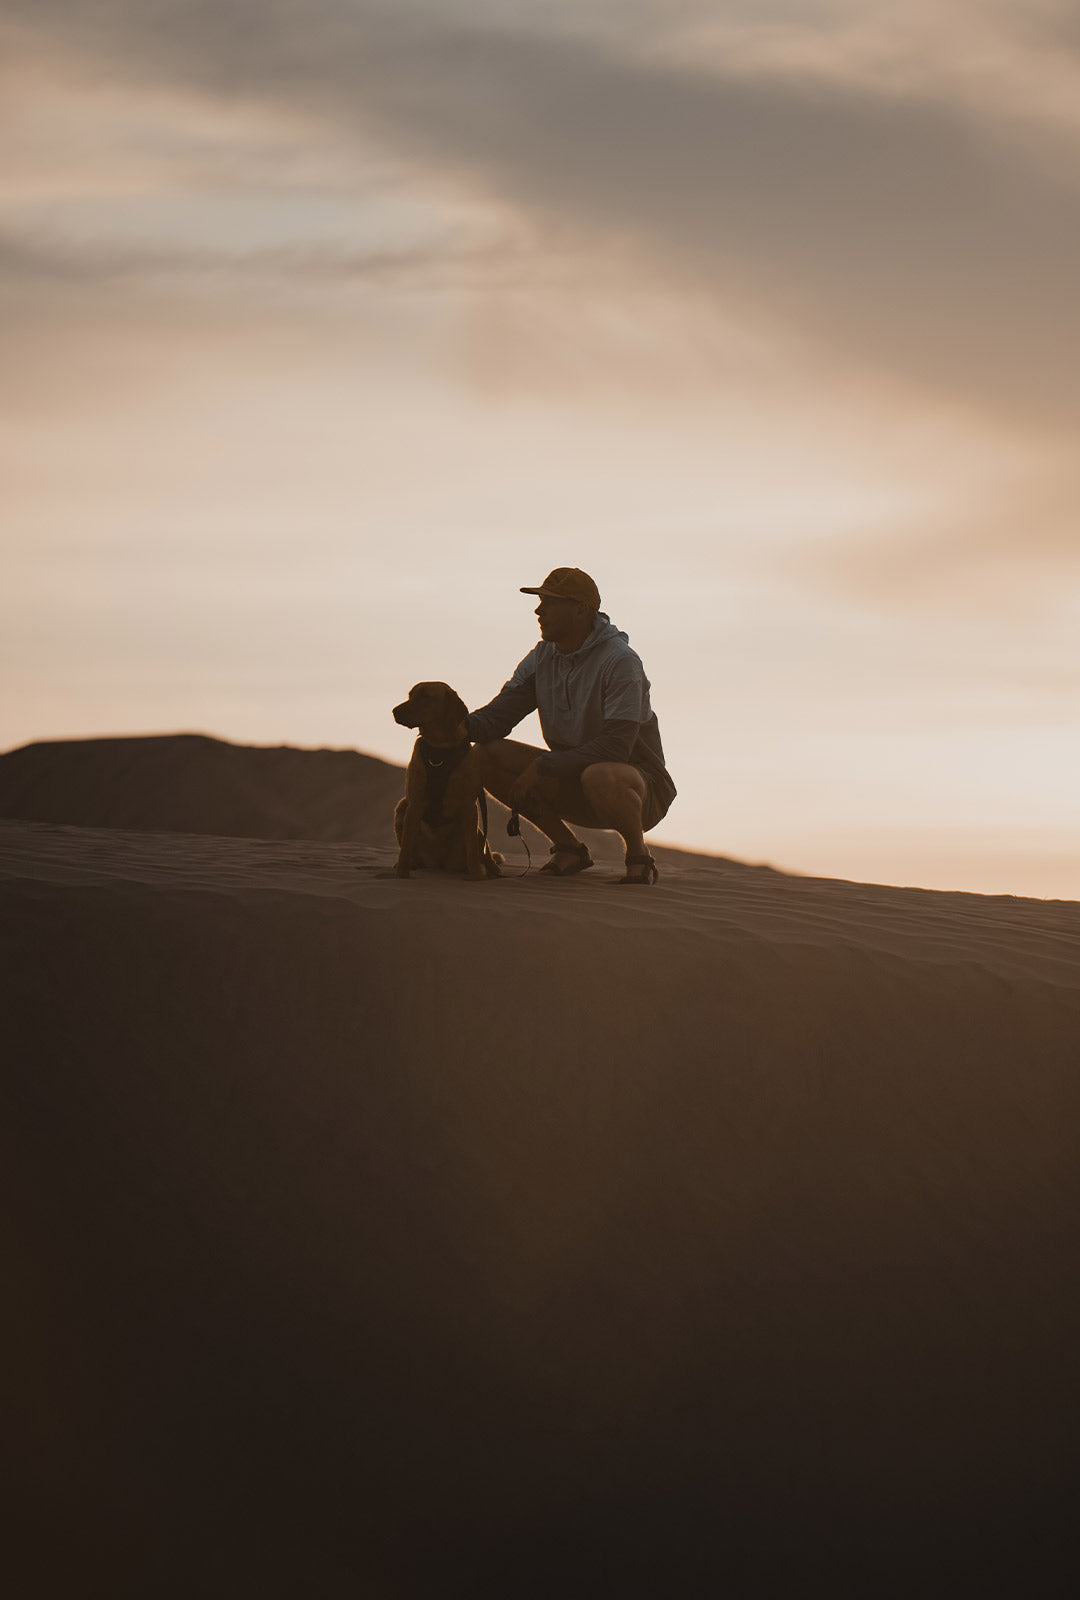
{"points": [[533, 1237]]}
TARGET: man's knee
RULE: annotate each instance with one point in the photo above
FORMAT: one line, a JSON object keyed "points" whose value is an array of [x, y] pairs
{"points": [[608, 783]]}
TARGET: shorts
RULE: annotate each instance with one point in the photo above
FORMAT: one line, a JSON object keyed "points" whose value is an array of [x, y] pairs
{"points": [[571, 802]]}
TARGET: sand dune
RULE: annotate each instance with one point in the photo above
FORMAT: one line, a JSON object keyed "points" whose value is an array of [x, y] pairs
{"points": [[190, 783], [531, 1237]]}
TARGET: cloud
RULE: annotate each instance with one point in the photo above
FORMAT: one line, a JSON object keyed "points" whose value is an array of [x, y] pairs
{"points": [[919, 238]]}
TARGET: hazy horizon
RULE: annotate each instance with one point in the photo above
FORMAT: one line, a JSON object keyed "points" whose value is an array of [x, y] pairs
{"points": [[329, 325]]}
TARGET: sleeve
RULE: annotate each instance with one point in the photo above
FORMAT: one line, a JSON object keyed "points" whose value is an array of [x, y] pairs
{"points": [[613, 743], [623, 704], [511, 705]]}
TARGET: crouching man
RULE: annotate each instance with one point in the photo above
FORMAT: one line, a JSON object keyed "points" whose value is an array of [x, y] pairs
{"points": [[604, 767]]}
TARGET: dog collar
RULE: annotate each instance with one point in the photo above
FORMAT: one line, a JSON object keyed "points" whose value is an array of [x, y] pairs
{"points": [[446, 756]]}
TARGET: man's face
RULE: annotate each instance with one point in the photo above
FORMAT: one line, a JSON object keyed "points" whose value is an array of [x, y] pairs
{"points": [[558, 618]]}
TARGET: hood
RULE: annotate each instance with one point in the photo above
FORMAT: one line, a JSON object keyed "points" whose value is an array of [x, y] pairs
{"points": [[603, 629]]}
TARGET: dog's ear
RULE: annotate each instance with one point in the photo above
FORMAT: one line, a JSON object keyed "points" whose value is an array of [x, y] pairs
{"points": [[456, 707]]}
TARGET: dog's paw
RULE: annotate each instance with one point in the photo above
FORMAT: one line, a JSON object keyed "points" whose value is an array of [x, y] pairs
{"points": [[402, 871]]}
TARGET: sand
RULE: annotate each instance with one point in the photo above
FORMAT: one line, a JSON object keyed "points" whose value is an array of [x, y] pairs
{"points": [[525, 1237]]}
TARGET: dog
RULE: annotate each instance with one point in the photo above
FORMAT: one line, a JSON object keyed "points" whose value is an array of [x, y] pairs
{"points": [[436, 823]]}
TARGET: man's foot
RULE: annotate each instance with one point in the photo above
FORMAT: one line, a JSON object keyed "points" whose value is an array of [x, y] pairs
{"points": [[566, 859], [641, 869]]}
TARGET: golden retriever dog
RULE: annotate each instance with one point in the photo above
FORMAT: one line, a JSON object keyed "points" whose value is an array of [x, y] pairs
{"points": [[436, 824]]}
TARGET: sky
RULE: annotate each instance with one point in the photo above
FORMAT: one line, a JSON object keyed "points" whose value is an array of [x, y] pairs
{"points": [[328, 324]]}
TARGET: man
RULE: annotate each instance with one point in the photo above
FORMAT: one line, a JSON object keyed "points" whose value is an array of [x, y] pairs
{"points": [[605, 765]]}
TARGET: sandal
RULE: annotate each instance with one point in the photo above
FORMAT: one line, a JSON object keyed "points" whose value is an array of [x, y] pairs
{"points": [[584, 859], [647, 876]]}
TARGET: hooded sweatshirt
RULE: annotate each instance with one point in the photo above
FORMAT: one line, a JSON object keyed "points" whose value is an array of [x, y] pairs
{"points": [[593, 704]]}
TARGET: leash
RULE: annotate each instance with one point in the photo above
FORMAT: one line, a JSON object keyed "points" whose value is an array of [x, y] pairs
{"points": [[514, 829]]}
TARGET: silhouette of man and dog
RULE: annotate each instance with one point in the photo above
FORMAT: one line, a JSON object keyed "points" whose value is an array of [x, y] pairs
{"points": [[603, 768]]}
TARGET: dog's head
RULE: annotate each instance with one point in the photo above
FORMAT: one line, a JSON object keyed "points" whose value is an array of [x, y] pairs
{"points": [[434, 706]]}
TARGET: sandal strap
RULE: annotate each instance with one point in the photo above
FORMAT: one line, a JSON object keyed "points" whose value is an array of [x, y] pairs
{"points": [[650, 876], [580, 850]]}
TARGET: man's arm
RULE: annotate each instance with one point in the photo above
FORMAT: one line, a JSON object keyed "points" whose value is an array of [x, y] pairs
{"points": [[613, 743], [511, 705]]}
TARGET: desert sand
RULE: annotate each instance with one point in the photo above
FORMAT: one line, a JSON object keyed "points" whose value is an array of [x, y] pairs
{"points": [[517, 1238]]}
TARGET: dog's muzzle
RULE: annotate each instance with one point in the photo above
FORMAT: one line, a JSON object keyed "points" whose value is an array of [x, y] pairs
{"points": [[404, 714]]}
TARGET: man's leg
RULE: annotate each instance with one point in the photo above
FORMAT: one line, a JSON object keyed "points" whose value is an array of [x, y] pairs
{"points": [[616, 792], [503, 761]]}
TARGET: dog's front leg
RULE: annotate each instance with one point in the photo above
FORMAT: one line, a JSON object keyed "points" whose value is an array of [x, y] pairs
{"points": [[462, 803], [407, 819], [474, 865], [409, 814]]}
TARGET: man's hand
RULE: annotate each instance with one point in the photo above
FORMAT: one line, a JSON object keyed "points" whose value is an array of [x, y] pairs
{"points": [[531, 787]]}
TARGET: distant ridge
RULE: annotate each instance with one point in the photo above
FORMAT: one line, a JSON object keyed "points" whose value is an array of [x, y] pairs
{"points": [[191, 783]]}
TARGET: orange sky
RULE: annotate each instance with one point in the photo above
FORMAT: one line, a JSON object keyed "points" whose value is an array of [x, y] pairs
{"points": [[328, 325]]}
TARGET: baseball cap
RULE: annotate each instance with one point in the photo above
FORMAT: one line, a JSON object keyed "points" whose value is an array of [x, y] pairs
{"points": [[569, 583]]}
